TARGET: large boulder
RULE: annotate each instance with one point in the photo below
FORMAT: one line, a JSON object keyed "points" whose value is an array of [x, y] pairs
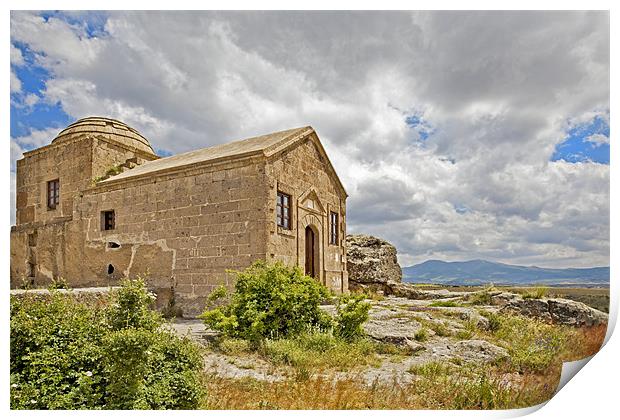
{"points": [[371, 263]]}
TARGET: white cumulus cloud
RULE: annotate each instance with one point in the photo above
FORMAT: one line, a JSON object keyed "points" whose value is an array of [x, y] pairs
{"points": [[498, 90]]}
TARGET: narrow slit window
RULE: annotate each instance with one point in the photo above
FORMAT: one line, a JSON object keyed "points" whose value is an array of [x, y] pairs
{"points": [[108, 220], [53, 194], [283, 210], [333, 233]]}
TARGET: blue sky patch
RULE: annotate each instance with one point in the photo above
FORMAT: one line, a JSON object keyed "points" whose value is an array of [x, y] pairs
{"points": [[41, 115], [581, 145], [92, 22], [422, 127]]}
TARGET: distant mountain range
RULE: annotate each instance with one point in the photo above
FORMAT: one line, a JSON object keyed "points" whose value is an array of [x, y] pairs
{"points": [[478, 272]]}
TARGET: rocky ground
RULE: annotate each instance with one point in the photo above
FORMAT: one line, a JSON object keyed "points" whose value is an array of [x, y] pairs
{"points": [[431, 326]]}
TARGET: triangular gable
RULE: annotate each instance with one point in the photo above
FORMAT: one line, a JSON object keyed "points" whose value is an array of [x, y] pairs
{"points": [[299, 137], [309, 200]]}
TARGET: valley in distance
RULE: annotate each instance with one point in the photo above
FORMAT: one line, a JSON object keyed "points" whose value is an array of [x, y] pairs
{"points": [[587, 285]]}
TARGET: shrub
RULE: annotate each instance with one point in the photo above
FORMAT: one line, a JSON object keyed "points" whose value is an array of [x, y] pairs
{"points": [[70, 355], [55, 357], [351, 313], [270, 301], [58, 283], [131, 307]]}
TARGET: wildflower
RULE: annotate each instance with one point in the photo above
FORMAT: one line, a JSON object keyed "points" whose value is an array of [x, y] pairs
{"points": [[89, 373]]}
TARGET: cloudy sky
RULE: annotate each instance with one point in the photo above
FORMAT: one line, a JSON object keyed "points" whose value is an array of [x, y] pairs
{"points": [[458, 135]]}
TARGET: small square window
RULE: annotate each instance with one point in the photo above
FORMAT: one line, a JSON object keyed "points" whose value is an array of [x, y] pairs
{"points": [[283, 214], [108, 220], [53, 194]]}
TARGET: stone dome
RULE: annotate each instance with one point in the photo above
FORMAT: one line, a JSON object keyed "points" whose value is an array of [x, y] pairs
{"points": [[107, 128]]}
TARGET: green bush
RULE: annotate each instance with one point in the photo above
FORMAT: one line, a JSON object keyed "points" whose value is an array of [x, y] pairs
{"points": [[69, 355], [269, 301], [131, 307], [351, 313], [56, 362], [58, 283]]}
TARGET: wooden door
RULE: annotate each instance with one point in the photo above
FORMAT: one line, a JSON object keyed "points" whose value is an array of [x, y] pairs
{"points": [[310, 252]]}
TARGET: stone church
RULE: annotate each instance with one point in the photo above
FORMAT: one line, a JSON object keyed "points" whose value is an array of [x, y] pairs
{"points": [[98, 204]]}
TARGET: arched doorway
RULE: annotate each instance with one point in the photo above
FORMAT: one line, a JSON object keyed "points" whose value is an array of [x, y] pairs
{"points": [[310, 253]]}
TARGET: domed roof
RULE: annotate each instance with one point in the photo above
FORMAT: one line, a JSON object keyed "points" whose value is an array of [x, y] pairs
{"points": [[107, 128]]}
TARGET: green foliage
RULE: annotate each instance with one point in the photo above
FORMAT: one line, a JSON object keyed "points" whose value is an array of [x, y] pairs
{"points": [[58, 283], [351, 313], [440, 328], [480, 298], [26, 283], [233, 346], [316, 350], [69, 355], [55, 357], [430, 369], [533, 345], [421, 335], [131, 307], [127, 364], [151, 370], [464, 335], [494, 320], [114, 170], [269, 301]]}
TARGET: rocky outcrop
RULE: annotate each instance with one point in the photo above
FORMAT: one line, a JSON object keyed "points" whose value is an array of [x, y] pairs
{"points": [[372, 263], [556, 310], [479, 351]]}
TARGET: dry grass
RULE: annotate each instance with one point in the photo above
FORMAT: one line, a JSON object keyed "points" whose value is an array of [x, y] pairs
{"points": [[583, 342], [487, 390], [537, 352], [534, 293]]}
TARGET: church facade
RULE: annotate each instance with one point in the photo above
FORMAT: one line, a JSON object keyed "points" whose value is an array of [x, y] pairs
{"points": [[97, 205]]}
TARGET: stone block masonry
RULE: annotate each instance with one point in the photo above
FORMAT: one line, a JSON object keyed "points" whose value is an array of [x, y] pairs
{"points": [[183, 222]]}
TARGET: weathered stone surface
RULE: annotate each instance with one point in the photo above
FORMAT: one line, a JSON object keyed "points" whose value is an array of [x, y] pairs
{"points": [[410, 291], [88, 295], [371, 263], [479, 351], [398, 331], [182, 221], [561, 311]]}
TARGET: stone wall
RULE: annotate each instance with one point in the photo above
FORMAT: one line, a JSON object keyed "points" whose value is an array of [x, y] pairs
{"points": [[182, 229], [303, 174], [75, 161], [70, 162]]}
